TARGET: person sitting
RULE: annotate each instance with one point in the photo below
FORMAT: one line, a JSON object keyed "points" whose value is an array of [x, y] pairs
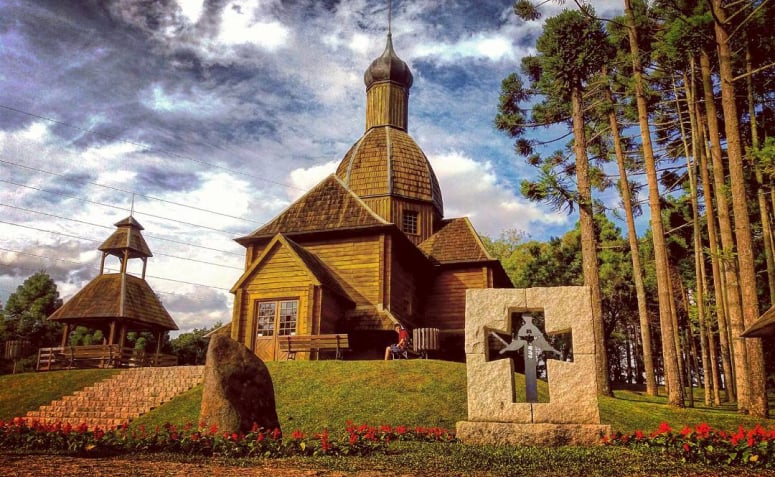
{"points": [[400, 347]]}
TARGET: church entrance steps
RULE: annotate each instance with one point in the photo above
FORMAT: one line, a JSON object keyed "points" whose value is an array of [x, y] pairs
{"points": [[120, 398]]}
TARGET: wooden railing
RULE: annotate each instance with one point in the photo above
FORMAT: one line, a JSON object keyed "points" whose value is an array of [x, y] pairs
{"points": [[99, 356]]}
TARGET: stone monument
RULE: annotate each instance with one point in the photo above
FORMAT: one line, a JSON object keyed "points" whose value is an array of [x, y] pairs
{"points": [[571, 417]]}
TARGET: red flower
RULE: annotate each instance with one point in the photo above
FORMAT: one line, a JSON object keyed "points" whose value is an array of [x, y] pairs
{"points": [[686, 431], [639, 435], [277, 433], [297, 435], [703, 429]]}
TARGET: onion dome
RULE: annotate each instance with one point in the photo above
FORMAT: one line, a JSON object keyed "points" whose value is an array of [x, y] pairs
{"points": [[388, 67]]}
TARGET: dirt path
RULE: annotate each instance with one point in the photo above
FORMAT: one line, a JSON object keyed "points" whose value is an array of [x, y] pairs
{"points": [[56, 466]]}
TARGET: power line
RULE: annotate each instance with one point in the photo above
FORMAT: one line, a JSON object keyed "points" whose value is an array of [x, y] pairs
{"points": [[116, 207], [145, 146], [43, 257], [102, 226], [64, 176]]}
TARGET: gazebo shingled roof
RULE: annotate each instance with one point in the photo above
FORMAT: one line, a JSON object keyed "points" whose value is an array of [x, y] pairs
{"points": [[116, 296], [127, 236]]}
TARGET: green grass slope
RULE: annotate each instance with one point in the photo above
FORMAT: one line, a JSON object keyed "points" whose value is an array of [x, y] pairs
{"points": [[315, 395], [20, 393]]}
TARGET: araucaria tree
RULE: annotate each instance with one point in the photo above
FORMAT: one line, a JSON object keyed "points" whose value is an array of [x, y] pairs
{"points": [[571, 50]]}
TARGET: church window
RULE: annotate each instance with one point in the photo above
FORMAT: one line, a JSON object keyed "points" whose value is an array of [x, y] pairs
{"points": [[410, 222], [277, 317]]}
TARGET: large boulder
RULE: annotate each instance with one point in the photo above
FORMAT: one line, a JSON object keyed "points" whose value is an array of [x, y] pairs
{"points": [[238, 390]]}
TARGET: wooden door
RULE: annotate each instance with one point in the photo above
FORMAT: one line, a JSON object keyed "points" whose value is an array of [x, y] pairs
{"points": [[274, 318]]}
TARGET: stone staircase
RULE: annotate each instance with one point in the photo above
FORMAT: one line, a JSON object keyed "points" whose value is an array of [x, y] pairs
{"points": [[120, 398]]}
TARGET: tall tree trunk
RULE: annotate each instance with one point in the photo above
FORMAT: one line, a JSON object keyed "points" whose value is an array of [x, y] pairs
{"points": [[691, 167], [588, 239], [672, 375], [727, 255], [719, 286], [632, 237], [674, 281], [764, 213], [755, 376], [712, 367]]}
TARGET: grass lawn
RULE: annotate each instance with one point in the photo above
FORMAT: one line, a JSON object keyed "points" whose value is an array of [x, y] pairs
{"points": [[312, 396], [315, 395]]}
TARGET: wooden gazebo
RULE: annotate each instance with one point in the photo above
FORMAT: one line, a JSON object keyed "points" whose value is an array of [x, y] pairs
{"points": [[115, 303]]}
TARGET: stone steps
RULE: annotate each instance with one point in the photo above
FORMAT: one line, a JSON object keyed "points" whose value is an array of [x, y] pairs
{"points": [[121, 398]]}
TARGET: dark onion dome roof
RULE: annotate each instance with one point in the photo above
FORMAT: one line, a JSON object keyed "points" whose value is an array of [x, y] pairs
{"points": [[388, 67], [387, 161]]}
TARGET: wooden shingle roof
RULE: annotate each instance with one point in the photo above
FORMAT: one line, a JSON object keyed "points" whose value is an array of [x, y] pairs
{"points": [[116, 295], [327, 206], [127, 237], [455, 242], [387, 161], [764, 326]]}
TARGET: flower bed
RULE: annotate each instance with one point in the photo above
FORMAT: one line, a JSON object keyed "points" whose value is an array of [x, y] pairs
{"points": [[752, 448], [21, 434]]}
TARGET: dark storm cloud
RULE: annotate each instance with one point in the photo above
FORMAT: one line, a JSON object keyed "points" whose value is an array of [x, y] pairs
{"points": [[157, 179], [59, 261], [204, 301], [94, 66]]}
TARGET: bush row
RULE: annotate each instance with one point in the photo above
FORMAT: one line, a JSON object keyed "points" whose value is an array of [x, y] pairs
{"points": [[753, 448], [21, 434]]}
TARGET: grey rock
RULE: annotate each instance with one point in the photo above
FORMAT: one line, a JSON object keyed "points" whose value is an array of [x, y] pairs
{"points": [[238, 390]]}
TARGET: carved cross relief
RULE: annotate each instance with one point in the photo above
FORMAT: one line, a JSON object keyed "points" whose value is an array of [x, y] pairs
{"points": [[527, 341], [572, 385]]}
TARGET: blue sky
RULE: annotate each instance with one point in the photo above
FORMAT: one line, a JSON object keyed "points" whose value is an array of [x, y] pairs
{"points": [[210, 117]]}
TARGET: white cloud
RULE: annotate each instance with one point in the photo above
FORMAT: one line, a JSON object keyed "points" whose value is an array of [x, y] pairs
{"points": [[471, 188], [191, 9], [303, 179], [489, 46], [239, 26]]}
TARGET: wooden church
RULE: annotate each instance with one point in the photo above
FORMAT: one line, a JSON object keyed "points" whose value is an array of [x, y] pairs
{"points": [[366, 248]]}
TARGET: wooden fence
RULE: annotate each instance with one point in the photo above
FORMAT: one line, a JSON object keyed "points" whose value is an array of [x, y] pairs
{"points": [[99, 356]]}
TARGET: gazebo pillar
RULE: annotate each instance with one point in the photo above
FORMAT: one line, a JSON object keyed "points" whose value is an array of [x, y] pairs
{"points": [[65, 334], [112, 333], [122, 336]]}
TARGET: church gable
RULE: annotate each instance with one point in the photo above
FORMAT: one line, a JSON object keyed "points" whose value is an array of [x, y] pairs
{"points": [[284, 262], [328, 206], [456, 242]]}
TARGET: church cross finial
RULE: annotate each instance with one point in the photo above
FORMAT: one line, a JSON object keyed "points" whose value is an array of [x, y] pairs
{"points": [[390, 15]]}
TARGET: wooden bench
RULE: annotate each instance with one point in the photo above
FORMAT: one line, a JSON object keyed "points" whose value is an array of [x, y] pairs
{"points": [[293, 344]]}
